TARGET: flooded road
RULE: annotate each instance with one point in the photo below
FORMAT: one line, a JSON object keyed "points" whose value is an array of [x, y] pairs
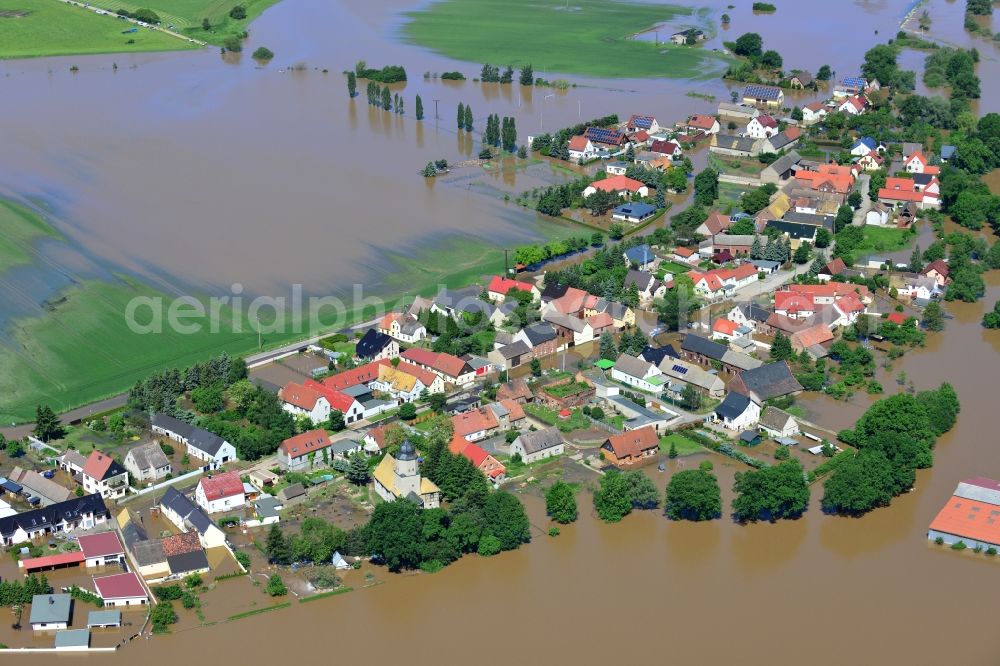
{"points": [[184, 169]]}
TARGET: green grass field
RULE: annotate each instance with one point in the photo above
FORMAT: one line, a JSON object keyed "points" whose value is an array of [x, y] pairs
{"points": [[885, 239], [186, 15], [590, 38], [684, 446], [33, 28], [20, 228]]}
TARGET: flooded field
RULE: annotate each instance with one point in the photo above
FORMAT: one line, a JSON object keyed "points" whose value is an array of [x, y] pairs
{"points": [[194, 172]]}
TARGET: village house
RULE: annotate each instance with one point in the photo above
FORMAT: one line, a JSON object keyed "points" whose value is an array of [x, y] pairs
{"points": [[146, 462], [616, 168], [537, 445], [725, 329], [774, 380], [833, 268], [758, 95], [737, 412], [404, 327], [715, 223], [813, 113], [192, 520], [316, 401], [646, 284], [782, 140], [703, 351], [222, 492], [632, 447], [103, 475], [638, 373], [871, 162], [704, 123], [917, 163], [853, 106], [800, 79], [924, 192], [762, 127], [620, 185], [185, 554], [493, 469], [639, 123], [374, 345], [681, 373], [499, 287], [450, 368], [782, 169], [812, 339], [50, 612], [724, 282], [475, 425], [572, 330], [399, 477], [200, 443], [864, 146], [877, 215], [911, 288], [659, 149], [122, 589], [581, 149], [685, 255], [101, 549], [81, 513], [796, 232], [606, 140], [826, 178], [305, 451], [938, 270], [778, 423], [633, 213], [749, 315], [505, 357]]}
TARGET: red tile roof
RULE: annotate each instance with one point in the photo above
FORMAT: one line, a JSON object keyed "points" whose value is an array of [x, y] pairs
{"points": [[814, 335], [426, 377], [617, 184], [337, 399], [633, 442], [793, 133], [447, 364], [62, 559], [969, 519], [97, 465], [702, 121], [664, 147], [831, 288], [767, 120], [725, 327], [222, 485], [306, 443], [348, 378], [571, 302], [181, 544], [100, 544], [849, 303], [501, 285], [468, 423], [299, 396], [684, 252], [378, 434], [601, 320], [515, 412], [457, 444], [896, 318], [790, 301], [119, 586], [835, 267], [936, 265], [578, 143]]}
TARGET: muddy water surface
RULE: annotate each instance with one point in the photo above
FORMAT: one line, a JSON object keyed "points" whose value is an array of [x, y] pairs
{"points": [[185, 169]]}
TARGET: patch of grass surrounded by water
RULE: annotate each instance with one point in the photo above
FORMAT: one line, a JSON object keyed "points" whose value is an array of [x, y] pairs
{"points": [[35, 28], [20, 228], [585, 37]]}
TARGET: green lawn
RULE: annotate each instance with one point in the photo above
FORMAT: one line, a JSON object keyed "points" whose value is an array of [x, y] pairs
{"points": [[885, 239], [33, 28], [187, 15], [590, 38], [21, 228], [576, 421], [685, 446], [674, 267]]}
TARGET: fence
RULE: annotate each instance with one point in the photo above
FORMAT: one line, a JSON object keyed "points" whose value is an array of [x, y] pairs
{"points": [[164, 484], [604, 426]]}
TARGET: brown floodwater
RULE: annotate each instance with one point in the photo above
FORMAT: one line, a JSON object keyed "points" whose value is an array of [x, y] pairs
{"points": [[185, 169]]}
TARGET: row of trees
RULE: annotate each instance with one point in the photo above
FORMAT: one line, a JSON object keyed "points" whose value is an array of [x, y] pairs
{"points": [[491, 74], [465, 117], [690, 495], [159, 391], [15, 593]]}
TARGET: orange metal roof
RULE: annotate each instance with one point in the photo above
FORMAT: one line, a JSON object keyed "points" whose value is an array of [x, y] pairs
{"points": [[969, 519]]}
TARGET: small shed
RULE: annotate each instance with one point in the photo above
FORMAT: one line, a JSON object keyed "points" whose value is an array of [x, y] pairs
{"points": [[73, 639], [750, 438], [100, 619]]}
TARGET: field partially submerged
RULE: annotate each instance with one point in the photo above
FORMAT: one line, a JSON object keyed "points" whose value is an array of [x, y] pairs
{"points": [[187, 15], [585, 37], [33, 28], [21, 228]]}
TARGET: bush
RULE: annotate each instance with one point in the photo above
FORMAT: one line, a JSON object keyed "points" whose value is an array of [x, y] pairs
{"points": [[958, 545], [939, 540], [276, 587], [489, 546], [167, 449], [232, 44], [453, 76], [243, 559], [782, 453], [263, 53], [553, 531], [238, 12], [188, 600]]}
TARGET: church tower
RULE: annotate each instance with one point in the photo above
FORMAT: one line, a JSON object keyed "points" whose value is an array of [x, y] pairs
{"points": [[407, 470]]}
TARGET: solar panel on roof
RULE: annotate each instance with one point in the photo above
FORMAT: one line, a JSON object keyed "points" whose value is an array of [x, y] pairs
{"points": [[680, 370], [761, 92], [602, 135]]}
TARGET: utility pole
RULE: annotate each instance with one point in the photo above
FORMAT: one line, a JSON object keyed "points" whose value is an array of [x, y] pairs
{"points": [[436, 116], [579, 108], [506, 265]]}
